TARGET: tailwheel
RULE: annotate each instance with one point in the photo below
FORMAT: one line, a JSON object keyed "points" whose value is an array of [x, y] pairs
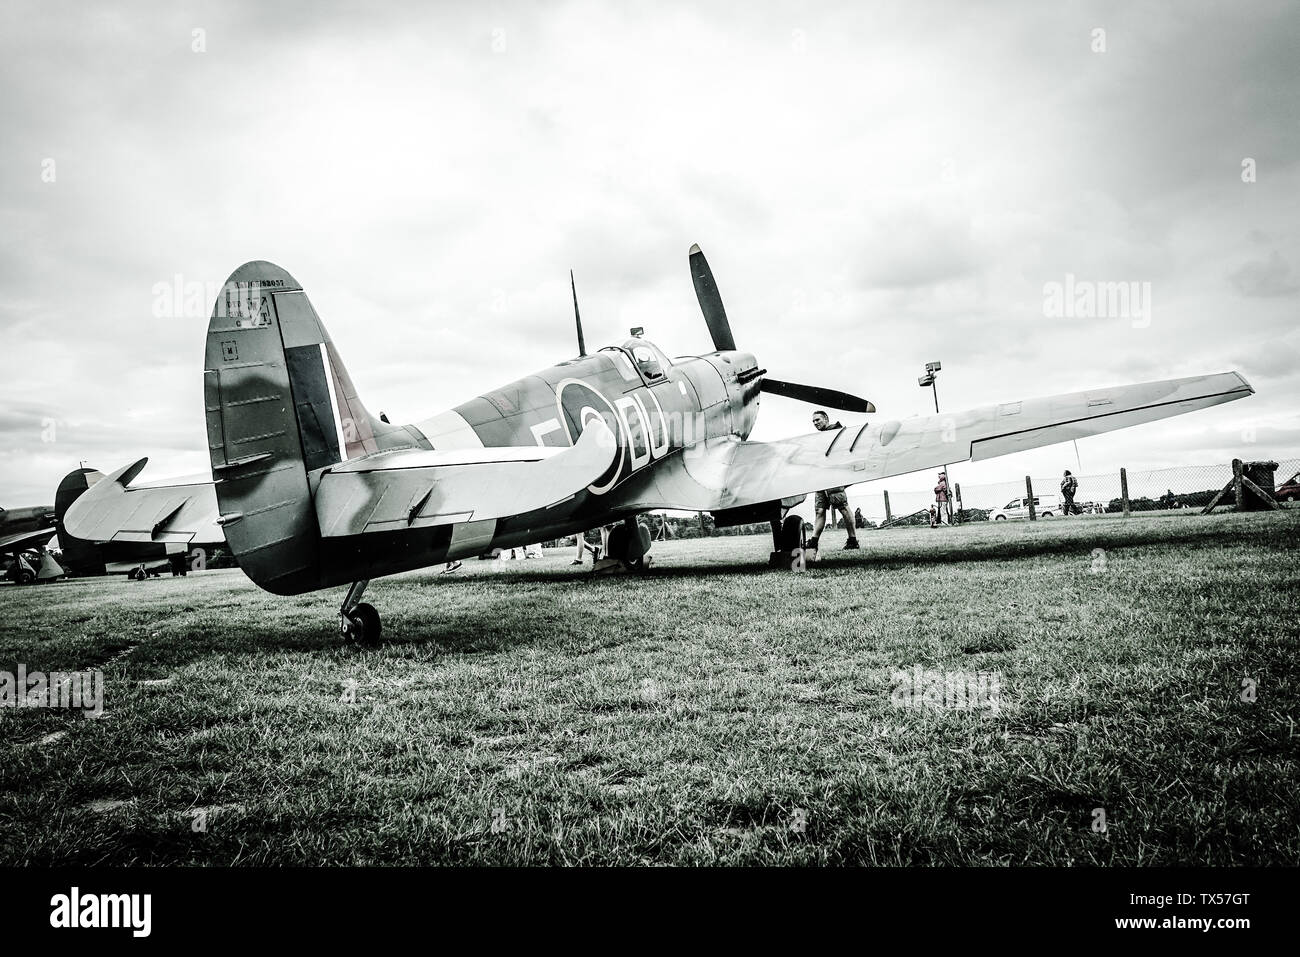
{"points": [[359, 620], [362, 624], [366, 624]]}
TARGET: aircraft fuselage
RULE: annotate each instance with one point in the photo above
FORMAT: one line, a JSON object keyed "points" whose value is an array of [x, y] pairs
{"points": [[656, 409], [15, 521]]}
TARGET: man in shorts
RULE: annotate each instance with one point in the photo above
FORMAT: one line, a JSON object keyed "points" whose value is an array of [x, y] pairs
{"points": [[831, 498]]}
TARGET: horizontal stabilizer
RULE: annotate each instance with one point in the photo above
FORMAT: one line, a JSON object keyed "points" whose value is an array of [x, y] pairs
{"points": [[395, 491], [114, 511]]}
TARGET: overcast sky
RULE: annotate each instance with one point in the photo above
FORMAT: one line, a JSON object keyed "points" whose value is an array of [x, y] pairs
{"points": [[875, 185]]}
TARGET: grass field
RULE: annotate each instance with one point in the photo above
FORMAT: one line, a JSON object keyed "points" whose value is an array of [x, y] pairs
{"points": [[712, 712]]}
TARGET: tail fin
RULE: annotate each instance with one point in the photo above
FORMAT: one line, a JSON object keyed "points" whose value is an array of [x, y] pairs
{"points": [[280, 406], [81, 556]]}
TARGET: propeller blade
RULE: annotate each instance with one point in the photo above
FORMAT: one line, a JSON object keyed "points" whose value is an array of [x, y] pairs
{"points": [[816, 395], [706, 291]]}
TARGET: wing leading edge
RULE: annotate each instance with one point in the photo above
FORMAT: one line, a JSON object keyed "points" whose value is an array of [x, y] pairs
{"points": [[26, 540], [731, 473]]}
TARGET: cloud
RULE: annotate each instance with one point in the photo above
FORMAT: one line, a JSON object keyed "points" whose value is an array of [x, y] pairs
{"points": [[1262, 278], [874, 188], [916, 245]]}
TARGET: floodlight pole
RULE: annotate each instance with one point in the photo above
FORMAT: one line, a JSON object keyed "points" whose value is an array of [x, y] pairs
{"points": [[930, 377]]}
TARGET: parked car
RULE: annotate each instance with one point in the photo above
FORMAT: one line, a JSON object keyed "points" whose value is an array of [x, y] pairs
{"points": [[1045, 506], [1289, 491]]}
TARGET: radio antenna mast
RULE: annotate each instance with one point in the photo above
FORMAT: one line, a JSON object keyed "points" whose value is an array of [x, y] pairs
{"points": [[582, 346]]}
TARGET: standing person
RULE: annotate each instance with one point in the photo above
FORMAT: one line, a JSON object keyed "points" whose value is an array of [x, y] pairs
{"points": [[1069, 485], [941, 499], [831, 498], [932, 516], [582, 546], [596, 551]]}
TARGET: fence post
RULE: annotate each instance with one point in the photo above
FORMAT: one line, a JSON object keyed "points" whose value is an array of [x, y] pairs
{"points": [[701, 514], [1237, 489], [1123, 490], [888, 517], [1029, 499], [957, 491]]}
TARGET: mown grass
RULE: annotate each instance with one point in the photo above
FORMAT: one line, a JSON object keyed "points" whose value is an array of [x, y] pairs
{"points": [[713, 712]]}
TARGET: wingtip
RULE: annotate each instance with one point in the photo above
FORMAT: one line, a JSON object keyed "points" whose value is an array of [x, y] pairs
{"points": [[695, 248]]}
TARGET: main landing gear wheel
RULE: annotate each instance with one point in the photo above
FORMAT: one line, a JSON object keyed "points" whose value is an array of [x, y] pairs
{"points": [[791, 532], [787, 538], [629, 542]]}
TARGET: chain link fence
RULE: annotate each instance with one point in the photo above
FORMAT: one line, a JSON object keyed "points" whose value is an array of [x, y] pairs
{"points": [[1190, 486]]}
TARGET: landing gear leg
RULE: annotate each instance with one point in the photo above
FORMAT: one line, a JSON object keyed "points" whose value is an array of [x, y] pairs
{"points": [[775, 522], [358, 620], [787, 536]]}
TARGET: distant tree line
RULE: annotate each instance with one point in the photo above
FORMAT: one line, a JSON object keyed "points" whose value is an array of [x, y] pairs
{"points": [[1168, 500]]}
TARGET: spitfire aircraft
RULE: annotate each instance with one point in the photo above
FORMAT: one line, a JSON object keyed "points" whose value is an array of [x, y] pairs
{"points": [[24, 533], [314, 491]]}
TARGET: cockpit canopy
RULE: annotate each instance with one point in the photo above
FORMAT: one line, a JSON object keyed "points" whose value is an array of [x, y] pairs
{"points": [[648, 359]]}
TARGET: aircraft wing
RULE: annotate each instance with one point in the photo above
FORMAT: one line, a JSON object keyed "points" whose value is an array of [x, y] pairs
{"points": [[399, 490], [11, 544], [113, 511], [732, 473]]}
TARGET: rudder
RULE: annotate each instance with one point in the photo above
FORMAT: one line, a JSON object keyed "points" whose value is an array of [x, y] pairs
{"points": [[81, 556]]}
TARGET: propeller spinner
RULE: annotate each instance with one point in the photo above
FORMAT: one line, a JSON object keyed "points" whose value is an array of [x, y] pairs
{"points": [[715, 317]]}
